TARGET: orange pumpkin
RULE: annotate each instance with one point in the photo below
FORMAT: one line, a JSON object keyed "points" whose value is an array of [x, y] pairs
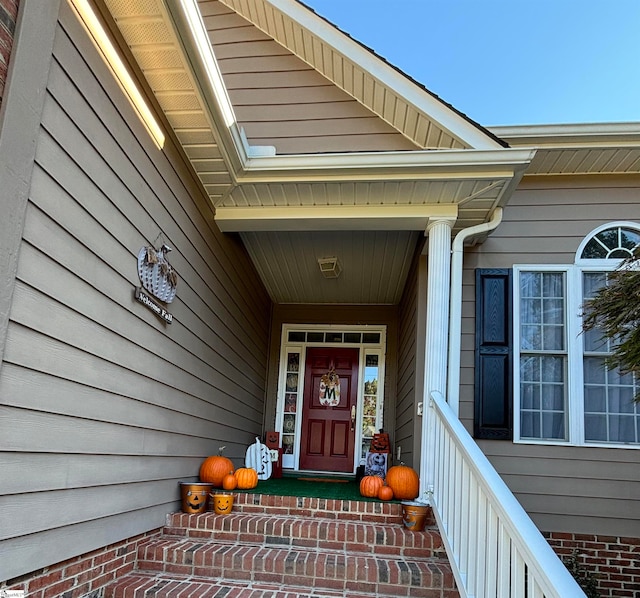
{"points": [[247, 478], [404, 482], [229, 482], [370, 484], [385, 493], [214, 468]]}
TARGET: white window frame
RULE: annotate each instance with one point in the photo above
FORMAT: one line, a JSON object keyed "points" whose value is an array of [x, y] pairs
{"points": [[573, 342]]}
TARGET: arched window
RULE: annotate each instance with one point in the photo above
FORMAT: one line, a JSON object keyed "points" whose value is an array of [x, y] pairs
{"points": [[610, 243], [564, 390]]}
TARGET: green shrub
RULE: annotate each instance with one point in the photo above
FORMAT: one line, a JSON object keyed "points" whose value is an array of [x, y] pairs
{"points": [[587, 580]]}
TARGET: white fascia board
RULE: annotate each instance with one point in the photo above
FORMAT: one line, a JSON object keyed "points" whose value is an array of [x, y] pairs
{"points": [[457, 125], [422, 165], [314, 218], [583, 135]]}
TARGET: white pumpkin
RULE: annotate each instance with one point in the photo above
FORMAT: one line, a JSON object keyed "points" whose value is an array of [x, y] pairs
{"points": [[259, 458]]}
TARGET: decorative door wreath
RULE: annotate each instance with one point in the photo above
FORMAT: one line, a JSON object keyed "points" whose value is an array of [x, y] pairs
{"points": [[330, 389]]}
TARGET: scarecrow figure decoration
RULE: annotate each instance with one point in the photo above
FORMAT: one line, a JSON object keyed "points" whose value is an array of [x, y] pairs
{"points": [[330, 389], [156, 274]]}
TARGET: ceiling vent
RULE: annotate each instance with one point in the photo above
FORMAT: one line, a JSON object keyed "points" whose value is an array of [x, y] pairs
{"points": [[329, 267]]}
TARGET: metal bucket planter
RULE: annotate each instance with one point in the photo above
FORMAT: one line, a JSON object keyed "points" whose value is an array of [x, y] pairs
{"points": [[414, 515], [194, 496], [222, 502]]}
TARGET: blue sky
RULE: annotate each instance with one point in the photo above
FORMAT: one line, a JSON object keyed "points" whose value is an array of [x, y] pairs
{"points": [[505, 62]]}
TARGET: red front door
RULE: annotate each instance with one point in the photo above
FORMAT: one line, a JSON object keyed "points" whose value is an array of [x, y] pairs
{"points": [[329, 409]]}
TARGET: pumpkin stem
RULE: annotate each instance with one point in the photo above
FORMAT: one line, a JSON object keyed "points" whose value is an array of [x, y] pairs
{"points": [[220, 449]]}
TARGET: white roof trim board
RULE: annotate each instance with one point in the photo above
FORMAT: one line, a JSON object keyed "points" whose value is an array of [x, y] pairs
{"points": [[578, 135]]}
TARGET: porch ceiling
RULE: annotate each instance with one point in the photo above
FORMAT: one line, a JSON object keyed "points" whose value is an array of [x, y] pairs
{"points": [[374, 265]]}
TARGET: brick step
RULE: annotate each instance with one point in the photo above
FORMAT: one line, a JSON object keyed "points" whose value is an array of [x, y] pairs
{"points": [[142, 584], [296, 568], [275, 530], [286, 547], [319, 508]]}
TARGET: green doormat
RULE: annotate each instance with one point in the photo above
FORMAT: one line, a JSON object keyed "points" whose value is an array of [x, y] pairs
{"points": [[325, 480], [315, 487]]}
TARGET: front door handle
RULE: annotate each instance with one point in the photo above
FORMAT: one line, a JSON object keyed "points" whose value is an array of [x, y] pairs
{"points": [[353, 417]]}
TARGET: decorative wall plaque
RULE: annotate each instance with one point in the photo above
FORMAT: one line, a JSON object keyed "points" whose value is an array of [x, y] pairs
{"points": [[156, 308], [156, 274], [158, 278]]}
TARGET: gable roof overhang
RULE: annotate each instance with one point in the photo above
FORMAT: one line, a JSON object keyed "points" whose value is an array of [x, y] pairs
{"points": [[581, 149], [458, 170], [378, 191], [472, 169]]}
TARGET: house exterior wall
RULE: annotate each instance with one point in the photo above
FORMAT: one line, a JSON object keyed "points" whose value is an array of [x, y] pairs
{"points": [[574, 489], [282, 101], [104, 408], [85, 575], [411, 340]]}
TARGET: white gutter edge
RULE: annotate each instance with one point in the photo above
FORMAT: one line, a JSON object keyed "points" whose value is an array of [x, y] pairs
{"points": [[567, 130], [255, 151], [455, 307], [490, 159], [577, 136], [422, 165]]}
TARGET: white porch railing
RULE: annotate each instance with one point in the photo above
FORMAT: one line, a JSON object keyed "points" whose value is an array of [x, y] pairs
{"points": [[494, 548]]}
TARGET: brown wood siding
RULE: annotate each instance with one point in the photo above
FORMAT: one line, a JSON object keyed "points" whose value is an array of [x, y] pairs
{"points": [[410, 310], [575, 489], [103, 407], [282, 101]]}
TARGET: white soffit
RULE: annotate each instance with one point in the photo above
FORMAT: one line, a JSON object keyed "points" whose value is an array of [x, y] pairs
{"points": [[389, 205], [578, 149], [411, 109], [149, 33], [375, 191]]}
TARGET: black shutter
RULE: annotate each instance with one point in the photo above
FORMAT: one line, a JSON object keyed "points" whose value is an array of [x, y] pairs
{"points": [[493, 363]]}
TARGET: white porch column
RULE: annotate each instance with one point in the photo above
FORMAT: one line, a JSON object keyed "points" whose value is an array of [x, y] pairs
{"points": [[437, 334]]}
